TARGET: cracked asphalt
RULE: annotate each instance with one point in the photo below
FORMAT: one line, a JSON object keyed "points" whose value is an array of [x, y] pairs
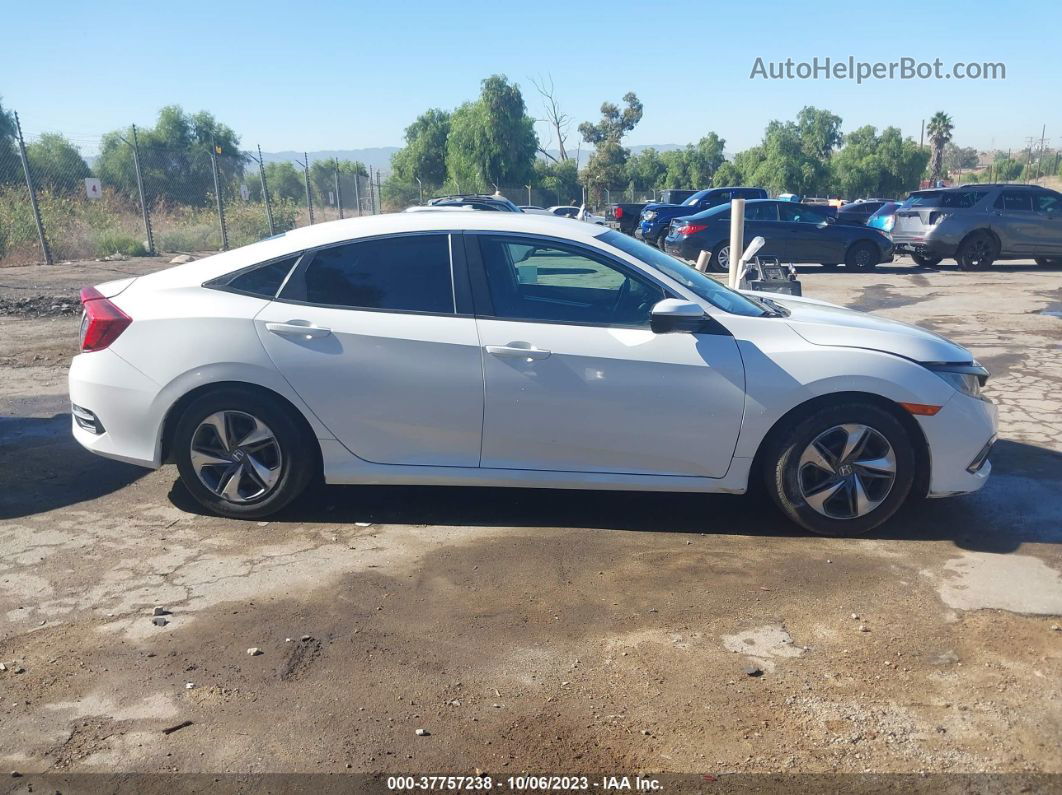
{"points": [[532, 630]]}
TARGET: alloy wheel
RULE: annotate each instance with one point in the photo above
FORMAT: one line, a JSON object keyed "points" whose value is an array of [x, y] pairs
{"points": [[236, 456], [846, 471]]}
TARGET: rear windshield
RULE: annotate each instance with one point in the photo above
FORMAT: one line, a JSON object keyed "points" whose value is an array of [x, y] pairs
{"points": [[946, 198]]}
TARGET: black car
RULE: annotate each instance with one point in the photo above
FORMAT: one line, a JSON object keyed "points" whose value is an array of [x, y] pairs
{"points": [[476, 201], [859, 211], [793, 233]]}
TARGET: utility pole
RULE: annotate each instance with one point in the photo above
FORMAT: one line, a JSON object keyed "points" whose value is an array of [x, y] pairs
{"points": [[306, 177], [379, 193], [143, 199], [215, 150], [1040, 160], [33, 194], [357, 193], [339, 192], [265, 193], [922, 136], [372, 198]]}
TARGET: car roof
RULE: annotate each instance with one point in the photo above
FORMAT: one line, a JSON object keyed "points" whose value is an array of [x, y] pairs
{"points": [[350, 229]]}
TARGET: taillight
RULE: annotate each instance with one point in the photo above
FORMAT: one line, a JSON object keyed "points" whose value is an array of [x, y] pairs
{"points": [[102, 322], [690, 229], [617, 212]]}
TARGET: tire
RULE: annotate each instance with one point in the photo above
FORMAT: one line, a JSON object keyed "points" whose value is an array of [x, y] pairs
{"points": [[926, 262], [978, 250], [719, 262], [861, 255], [242, 480], [797, 483]]}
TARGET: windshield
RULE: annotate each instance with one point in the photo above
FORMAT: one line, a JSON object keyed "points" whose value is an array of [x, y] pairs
{"points": [[692, 200], [692, 279]]}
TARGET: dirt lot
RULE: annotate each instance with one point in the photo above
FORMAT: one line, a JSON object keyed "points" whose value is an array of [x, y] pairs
{"points": [[537, 630]]}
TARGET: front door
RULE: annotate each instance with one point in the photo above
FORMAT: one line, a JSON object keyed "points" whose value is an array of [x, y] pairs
{"points": [[811, 238], [575, 379], [368, 334]]}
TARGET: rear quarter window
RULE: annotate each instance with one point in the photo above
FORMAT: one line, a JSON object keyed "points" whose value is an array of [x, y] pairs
{"points": [[262, 280]]}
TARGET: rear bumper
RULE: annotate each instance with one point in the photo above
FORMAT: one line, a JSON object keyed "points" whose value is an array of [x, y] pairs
{"points": [[958, 435], [122, 399], [683, 248]]}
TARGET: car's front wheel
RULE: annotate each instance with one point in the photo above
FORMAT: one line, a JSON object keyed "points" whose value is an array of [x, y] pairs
{"points": [[842, 470], [242, 454]]}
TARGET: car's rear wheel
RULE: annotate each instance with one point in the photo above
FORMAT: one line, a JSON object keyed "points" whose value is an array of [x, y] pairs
{"points": [[862, 256], [719, 262], [977, 251], [926, 262], [242, 454], [842, 470]]}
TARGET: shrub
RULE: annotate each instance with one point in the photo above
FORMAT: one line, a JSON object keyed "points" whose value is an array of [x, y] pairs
{"points": [[112, 241]]}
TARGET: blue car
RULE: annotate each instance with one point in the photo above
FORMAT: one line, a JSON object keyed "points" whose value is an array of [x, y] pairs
{"points": [[656, 218]]}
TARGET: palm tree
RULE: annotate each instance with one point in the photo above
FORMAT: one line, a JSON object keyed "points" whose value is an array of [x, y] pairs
{"points": [[939, 131]]}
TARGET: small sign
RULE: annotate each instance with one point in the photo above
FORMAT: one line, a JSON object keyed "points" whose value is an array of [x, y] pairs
{"points": [[245, 192], [331, 198], [93, 188]]}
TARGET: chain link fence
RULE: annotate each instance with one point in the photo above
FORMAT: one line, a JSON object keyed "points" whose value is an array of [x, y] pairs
{"points": [[126, 196], [135, 199]]}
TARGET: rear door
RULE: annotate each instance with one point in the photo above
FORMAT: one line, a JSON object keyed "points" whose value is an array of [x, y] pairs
{"points": [[761, 220], [1018, 227], [372, 335]]}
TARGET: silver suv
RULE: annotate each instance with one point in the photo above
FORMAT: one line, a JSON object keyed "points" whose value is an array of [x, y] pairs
{"points": [[978, 224]]}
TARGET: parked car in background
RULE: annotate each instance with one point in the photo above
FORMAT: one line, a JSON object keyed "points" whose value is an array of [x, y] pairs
{"points": [[534, 209], [624, 216], [793, 233], [476, 201], [578, 213], [979, 224], [656, 218], [883, 217], [859, 211], [507, 349]]}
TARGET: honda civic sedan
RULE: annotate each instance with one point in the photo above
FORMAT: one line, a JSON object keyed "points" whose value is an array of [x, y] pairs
{"points": [[793, 233], [506, 349]]}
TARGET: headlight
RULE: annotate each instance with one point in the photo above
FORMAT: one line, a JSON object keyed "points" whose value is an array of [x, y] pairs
{"points": [[965, 378], [649, 215]]}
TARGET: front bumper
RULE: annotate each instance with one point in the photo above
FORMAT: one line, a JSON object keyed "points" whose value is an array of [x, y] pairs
{"points": [[957, 436]]}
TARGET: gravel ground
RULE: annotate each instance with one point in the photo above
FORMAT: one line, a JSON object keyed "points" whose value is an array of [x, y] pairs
{"points": [[532, 630]]}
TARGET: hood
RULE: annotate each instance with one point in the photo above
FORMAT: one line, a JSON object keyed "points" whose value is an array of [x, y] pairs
{"points": [[662, 206], [821, 323]]}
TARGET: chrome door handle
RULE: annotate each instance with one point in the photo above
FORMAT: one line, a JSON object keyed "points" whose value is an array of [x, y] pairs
{"points": [[298, 329], [515, 350]]}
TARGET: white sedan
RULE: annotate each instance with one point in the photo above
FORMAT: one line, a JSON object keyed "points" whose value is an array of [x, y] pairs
{"points": [[578, 213], [504, 349]]}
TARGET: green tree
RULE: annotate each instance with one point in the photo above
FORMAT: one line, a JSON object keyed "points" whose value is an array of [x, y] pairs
{"points": [[694, 166], [492, 141], [10, 167], [560, 179], [959, 158], [820, 131], [323, 180], [57, 164], [175, 158], [424, 155], [885, 165], [727, 175], [284, 182], [1004, 168], [647, 170], [607, 167], [939, 130]]}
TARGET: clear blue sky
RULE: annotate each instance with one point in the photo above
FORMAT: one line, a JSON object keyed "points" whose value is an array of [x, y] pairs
{"points": [[343, 75]]}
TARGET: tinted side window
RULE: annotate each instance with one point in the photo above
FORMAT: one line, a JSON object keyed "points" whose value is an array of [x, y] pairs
{"points": [[1014, 201], [549, 282], [410, 273], [1048, 203], [761, 212], [800, 213], [263, 281]]}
